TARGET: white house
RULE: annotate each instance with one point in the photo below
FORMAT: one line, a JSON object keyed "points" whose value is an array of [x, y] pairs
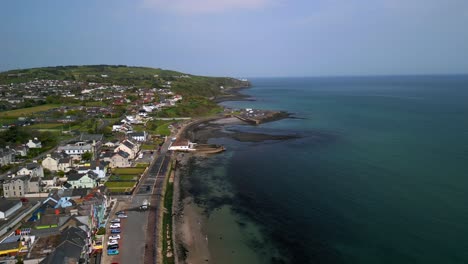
{"points": [[32, 169], [34, 143], [138, 136], [182, 145]]}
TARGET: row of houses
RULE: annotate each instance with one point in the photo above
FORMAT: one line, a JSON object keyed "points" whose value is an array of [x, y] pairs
{"points": [[62, 229]]}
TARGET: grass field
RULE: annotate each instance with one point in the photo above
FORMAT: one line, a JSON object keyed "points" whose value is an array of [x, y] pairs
{"points": [[123, 177], [120, 184], [128, 171], [47, 126], [149, 146], [142, 165], [27, 111]]}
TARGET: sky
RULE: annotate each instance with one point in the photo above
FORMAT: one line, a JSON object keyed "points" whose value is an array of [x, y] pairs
{"points": [[240, 38]]}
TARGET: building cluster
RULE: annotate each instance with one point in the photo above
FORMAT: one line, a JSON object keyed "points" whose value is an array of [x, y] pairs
{"points": [[28, 180], [63, 228]]}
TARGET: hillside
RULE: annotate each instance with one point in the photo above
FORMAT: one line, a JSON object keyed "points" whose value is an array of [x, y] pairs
{"points": [[181, 83]]}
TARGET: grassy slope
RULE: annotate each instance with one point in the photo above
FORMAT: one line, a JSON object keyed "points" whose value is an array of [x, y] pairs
{"points": [[124, 75]]}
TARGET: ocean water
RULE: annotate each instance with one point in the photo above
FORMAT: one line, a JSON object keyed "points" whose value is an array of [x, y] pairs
{"points": [[379, 174]]}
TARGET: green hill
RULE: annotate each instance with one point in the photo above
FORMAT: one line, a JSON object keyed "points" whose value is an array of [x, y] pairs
{"points": [[185, 84]]}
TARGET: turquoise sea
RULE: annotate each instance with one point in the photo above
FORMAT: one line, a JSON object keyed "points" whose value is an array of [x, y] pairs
{"points": [[379, 175]]}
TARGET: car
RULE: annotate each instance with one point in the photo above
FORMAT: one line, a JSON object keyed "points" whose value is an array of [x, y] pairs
{"points": [[116, 220], [112, 242], [115, 231], [111, 252], [115, 225], [115, 246], [120, 212], [122, 216], [114, 237]]}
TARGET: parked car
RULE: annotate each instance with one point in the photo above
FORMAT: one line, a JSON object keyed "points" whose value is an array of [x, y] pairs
{"points": [[116, 220], [120, 212], [115, 246], [112, 242], [115, 225], [114, 237], [111, 252], [115, 231], [122, 216]]}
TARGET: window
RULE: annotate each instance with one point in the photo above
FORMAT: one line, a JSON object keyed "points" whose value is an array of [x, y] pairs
{"points": [[20, 188], [20, 194]]}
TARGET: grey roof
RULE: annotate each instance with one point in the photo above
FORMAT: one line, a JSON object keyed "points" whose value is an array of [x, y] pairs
{"points": [[31, 166], [5, 205], [10, 245], [91, 137], [137, 134], [129, 144], [73, 175], [66, 253], [123, 154]]}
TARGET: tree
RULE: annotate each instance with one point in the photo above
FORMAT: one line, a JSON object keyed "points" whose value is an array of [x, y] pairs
{"points": [[87, 156]]}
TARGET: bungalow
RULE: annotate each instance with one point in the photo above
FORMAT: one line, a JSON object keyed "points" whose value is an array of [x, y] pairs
{"points": [[138, 136], [182, 145], [34, 143]]}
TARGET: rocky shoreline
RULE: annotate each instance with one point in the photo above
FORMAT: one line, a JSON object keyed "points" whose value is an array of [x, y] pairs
{"points": [[190, 235]]}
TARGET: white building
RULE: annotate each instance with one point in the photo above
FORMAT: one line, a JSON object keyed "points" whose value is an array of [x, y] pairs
{"points": [[182, 145]]}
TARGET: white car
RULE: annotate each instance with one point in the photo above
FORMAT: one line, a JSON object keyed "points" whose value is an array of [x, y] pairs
{"points": [[116, 220], [122, 216], [114, 237], [112, 242], [115, 225]]}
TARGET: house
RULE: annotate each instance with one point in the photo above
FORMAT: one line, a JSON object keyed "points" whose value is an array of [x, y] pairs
{"points": [[57, 162], [9, 207], [76, 150], [182, 145], [16, 186], [7, 156], [118, 159], [34, 143], [138, 136], [32, 169], [129, 147], [76, 180], [21, 150], [34, 185], [73, 247], [97, 167]]}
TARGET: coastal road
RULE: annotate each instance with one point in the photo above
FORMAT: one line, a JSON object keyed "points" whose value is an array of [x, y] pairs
{"points": [[139, 227]]}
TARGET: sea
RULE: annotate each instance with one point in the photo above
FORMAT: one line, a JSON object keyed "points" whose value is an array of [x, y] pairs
{"points": [[377, 174]]}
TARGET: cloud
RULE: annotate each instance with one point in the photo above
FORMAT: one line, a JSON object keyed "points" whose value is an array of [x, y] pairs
{"points": [[204, 6]]}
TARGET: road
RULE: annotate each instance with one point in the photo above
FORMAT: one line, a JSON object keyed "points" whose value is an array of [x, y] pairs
{"points": [[140, 227]]}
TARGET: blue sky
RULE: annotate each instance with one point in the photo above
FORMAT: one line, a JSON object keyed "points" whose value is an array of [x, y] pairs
{"points": [[240, 37]]}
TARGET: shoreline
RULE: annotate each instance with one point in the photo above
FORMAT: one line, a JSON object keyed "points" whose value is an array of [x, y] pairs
{"points": [[190, 234]]}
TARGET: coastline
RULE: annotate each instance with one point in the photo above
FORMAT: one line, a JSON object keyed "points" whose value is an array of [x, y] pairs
{"points": [[190, 220]]}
